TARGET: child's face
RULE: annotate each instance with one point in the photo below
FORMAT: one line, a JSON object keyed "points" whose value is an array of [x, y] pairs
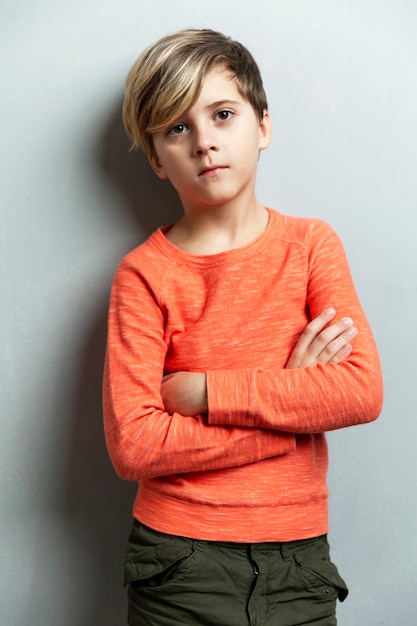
{"points": [[210, 154]]}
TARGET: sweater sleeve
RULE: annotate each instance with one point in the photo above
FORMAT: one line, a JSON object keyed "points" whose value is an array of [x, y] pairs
{"points": [[313, 399], [142, 438]]}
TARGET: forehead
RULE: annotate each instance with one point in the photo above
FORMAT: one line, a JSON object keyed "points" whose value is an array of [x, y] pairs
{"points": [[218, 84]]}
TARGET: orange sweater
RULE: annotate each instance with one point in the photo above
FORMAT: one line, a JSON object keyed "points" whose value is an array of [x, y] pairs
{"points": [[255, 468]]}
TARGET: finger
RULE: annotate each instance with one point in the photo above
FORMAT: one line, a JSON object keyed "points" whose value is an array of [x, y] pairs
{"points": [[331, 333], [343, 354], [169, 376], [304, 354], [339, 343], [314, 328], [313, 345]]}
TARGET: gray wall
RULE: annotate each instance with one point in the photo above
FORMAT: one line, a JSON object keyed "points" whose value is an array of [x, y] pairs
{"points": [[342, 84]]}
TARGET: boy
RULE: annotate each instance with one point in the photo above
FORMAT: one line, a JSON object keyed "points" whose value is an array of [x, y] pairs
{"points": [[226, 363]]}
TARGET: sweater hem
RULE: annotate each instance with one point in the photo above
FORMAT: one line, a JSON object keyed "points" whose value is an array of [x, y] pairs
{"points": [[237, 523]]}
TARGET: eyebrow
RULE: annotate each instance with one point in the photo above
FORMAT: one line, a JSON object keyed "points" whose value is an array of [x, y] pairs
{"points": [[222, 103]]}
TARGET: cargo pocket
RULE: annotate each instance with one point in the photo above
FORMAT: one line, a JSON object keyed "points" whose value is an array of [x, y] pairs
{"points": [[316, 568], [158, 564]]}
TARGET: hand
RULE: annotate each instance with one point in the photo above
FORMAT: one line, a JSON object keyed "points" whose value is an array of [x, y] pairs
{"points": [[185, 393], [320, 343]]}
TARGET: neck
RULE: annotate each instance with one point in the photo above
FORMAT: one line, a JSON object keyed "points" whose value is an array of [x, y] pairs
{"points": [[217, 229]]}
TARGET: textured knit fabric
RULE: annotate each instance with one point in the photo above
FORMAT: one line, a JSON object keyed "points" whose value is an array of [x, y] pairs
{"points": [[253, 469]]}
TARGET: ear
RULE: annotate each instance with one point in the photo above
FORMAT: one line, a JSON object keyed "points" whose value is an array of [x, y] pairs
{"points": [[265, 131], [156, 166]]}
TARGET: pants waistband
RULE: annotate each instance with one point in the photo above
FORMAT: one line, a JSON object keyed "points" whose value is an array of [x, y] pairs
{"points": [[267, 545]]}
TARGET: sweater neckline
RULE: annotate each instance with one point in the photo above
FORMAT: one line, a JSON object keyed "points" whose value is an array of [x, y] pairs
{"points": [[234, 254]]}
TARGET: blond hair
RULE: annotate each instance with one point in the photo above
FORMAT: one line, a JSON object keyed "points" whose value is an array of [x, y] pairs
{"points": [[166, 80]]}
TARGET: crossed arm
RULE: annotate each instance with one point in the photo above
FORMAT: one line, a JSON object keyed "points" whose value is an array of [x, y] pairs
{"points": [[320, 343], [159, 430]]}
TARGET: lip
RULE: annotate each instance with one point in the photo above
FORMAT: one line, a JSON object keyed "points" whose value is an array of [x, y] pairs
{"points": [[212, 170]]}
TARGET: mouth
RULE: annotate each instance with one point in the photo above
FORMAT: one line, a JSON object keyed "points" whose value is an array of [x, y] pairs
{"points": [[212, 170]]}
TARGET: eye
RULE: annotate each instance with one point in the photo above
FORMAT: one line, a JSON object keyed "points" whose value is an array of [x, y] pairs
{"points": [[223, 115], [178, 129]]}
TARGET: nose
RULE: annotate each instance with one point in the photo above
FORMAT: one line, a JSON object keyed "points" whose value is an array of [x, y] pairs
{"points": [[204, 141]]}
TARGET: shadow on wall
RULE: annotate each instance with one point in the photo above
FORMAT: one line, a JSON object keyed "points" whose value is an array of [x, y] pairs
{"points": [[151, 201], [97, 504]]}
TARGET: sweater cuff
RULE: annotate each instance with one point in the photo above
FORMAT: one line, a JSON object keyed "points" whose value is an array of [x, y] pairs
{"points": [[229, 395]]}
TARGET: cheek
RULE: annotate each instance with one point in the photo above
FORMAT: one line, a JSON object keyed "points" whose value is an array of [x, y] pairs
{"points": [[178, 175], [171, 168], [249, 153]]}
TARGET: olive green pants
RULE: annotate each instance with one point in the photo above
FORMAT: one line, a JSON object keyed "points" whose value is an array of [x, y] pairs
{"points": [[175, 581]]}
